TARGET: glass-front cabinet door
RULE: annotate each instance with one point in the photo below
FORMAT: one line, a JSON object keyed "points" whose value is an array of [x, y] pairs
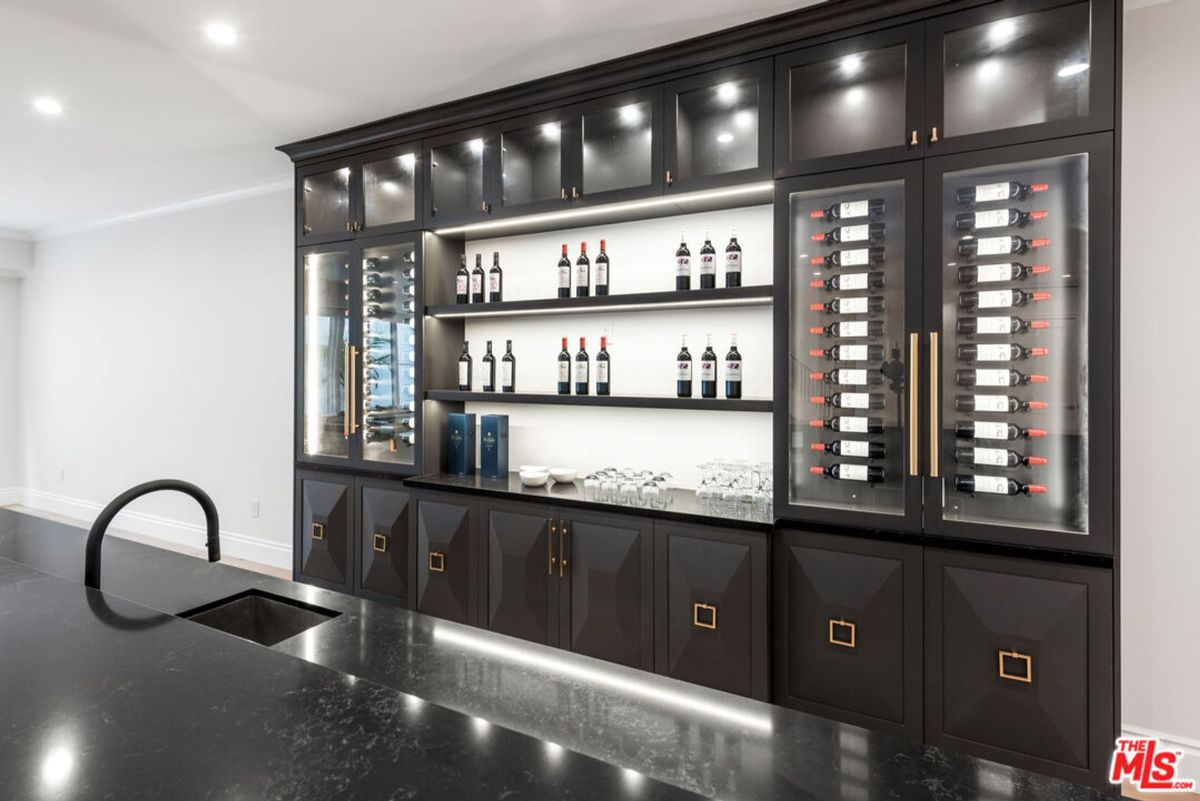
{"points": [[620, 147], [536, 163], [1020, 253], [324, 203], [853, 102], [390, 181], [460, 185], [1019, 71], [847, 437], [325, 322], [718, 128]]}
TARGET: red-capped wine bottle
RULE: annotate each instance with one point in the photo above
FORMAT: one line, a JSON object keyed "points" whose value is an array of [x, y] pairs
{"points": [[971, 274], [708, 371], [850, 400], [982, 429], [847, 234], [850, 425], [857, 448], [1006, 352], [857, 377], [995, 485], [708, 264], [602, 270], [849, 353], [971, 247], [995, 457], [581, 368], [850, 210], [981, 377], [602, 367], [1005, 190], [564, 369], [462, 281], [855, 257], [564, 274], [970, 326], [583, 272], [999, 298], [733, 260], [683, 372], [477, 279], [996, 403], [850, 328], [996, 218], [868, 305], [683, 265], [850, 472], [733, 370], [849, 282], [495, 280]]}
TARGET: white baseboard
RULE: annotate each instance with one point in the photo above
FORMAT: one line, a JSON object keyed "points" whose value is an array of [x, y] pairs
{"points": [[1189, 747], [10, 496], [154, 527]]}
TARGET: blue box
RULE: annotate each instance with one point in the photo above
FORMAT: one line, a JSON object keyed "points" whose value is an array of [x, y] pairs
{"points": [[493, 446], [460, 450]]}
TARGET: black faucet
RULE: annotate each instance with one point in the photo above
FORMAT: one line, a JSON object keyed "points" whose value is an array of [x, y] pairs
{"points": [[91, 564]]}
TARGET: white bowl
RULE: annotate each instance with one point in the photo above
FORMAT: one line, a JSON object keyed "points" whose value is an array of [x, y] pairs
{"points": [[534, 468], [563, 475], [533, 479]]}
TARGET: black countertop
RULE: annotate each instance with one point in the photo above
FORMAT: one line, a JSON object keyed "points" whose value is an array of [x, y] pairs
{"points": [[413, 706]]}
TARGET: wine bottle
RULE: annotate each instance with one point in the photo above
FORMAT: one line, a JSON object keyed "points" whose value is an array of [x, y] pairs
{"points": [[1005, 190], [733, 260], [850, 425], [996, 403], [850, 400], [857, 448], [846, 234], [980, 429], [971, 247], [380, 432], [849, 282], [868, 305], [383, 279], [564, 274], [495, 280], [996, 218], [850, 210], [708, 371], [856, 257], [998, 353], [850, 472], [995, 485], [849, 353], [378, 295], [583, 272], [683, 372], [850, 328], [581, 368], [996, 378], [602, 270], [683, 264], [462, 281], [489, 369], [564, 369], [477, 280], [970, 326], [995, 457], [708, 266], [464, 368], [508, 369], [602, 361], [733, 370], [378, 310], [850, 377], [999, 298], [971, 274]]}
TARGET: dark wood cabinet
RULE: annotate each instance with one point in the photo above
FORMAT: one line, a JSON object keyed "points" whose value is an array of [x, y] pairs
{"points": [[385, 548], [620, 152], [522, 577], [324, 534], [389, 187], [1019, 662], [447, 556], [711, 595], [460, 177], [848, 629], [325, 202]]}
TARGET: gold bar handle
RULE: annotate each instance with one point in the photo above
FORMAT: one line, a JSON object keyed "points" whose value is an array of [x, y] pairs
{"points": [[1026, 677], [349, 371], [562, 551], [709, 610], [934, 448], [933, 137], [550, 549], [916, 140], [318, 531], [838, 638], [437, 562], [354, 389], [914, 351], [380, 542]]}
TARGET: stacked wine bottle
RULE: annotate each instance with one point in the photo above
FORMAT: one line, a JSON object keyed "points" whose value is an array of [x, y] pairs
{"points": [[389, 354], [1002, 261]]}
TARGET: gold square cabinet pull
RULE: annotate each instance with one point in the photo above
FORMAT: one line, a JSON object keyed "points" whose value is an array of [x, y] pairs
{"points": [[437, 562], [843, 633], [1025, 677], [318, 531], [380, 542], [704, 616]]}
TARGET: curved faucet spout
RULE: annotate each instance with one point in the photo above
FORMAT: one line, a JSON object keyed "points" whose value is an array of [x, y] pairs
{"points": [[91, 565]]}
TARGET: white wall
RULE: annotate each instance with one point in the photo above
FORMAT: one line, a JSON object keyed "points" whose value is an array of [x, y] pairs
{"points": [[1160, 283], [9, 350], [163, 348]]}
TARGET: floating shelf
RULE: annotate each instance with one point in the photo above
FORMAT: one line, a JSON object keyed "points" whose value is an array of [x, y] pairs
{"points": [[640, 301], [643, 402]]}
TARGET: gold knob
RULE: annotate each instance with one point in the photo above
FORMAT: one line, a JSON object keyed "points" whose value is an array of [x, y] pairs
{"points": [[933, 137], [575, 193], [564, 193], [669, 179]]}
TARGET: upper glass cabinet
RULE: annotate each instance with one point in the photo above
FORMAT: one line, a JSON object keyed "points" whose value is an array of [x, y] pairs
{"points": [[459, 185], [324, 203], [718, 127], [535, 163], [621, 155], [390, 181]]}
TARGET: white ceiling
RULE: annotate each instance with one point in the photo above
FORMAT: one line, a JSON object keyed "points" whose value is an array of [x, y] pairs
{"points": [[157, 115]]}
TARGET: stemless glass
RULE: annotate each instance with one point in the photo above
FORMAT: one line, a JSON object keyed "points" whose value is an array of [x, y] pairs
{"points": [[591, 486]]}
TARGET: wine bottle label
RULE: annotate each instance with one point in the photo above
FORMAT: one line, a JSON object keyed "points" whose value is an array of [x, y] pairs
{"points": [[506, 374], [852, 305], [991, 378], [990, 273], [476, 283], [993, 457], [993, 485], [564, 372], [460, 285], [733, 261], [856, 400], [991, 219], [683, 371], [852, 376], [991, 403], [985, 430], [733, 371], [852, 425], [856, 328], [855, 447], [683, 266], [852, 353], [581, 275], [564, 277], [993, 325], [708, 264], [493, 283], [995, 299], [856, 233], [854, 208], [852, 472], [993, 245], [581, 372], [601, 372], [464, 374], [993, 353], [856, 258], [853, 281], [986, 193], [708, 370], [601, 274]]}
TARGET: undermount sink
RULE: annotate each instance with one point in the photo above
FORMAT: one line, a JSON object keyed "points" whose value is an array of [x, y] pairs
{"points": [[259, 616]]}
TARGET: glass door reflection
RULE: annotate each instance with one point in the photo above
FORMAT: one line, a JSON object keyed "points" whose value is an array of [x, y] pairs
{"points": [[458, 186], [388, 360], [326, 336], [324, 204], [620, 148], [389, 189], [533, 170]]}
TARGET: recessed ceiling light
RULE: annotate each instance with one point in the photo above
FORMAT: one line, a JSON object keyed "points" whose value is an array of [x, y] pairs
{"points": [[48, 106], [221, 33], [1072, 69]]}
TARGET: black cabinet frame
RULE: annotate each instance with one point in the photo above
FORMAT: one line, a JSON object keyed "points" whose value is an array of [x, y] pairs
{"points": [[580, 195], [360, 211], [490, 190], [352, 195], [569, 161]]}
